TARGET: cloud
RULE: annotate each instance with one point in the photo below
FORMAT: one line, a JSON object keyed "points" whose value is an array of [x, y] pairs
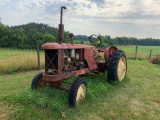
{"points": [[87, 12], [91, 9], [151, 7]]}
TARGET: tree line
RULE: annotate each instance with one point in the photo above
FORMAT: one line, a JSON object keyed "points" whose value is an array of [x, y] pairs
{"points": [[26, 37], [108, 41]]}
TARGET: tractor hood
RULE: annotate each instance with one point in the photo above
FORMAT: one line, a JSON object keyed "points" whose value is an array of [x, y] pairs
{"points": [[49, 46]]}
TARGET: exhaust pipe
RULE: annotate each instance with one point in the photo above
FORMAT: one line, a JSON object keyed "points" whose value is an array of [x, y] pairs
{"points": [[61, 26]]}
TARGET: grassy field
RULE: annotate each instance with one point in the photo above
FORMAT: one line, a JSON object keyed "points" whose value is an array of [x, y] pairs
{"points": [[79, 42], [143, 51], [137, 97], [13, 60]]}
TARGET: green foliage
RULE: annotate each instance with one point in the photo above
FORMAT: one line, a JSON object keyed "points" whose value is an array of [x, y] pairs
{"points": [[136, 41], [3, 35], [43, 98], [3, 30], [108, 41], [81, 37], [48, 38], [26, 36], [45, 38]]}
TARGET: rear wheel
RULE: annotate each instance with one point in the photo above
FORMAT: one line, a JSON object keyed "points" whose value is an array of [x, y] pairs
{"points": [[117, 66], [77, 92], [38, 82]]}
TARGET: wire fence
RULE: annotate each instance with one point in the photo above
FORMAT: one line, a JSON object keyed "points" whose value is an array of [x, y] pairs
{"points": [[141, 52], [13, 60]]}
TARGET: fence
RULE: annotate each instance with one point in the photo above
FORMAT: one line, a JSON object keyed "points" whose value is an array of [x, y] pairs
{"points": [[12, 60], [141, 52]]}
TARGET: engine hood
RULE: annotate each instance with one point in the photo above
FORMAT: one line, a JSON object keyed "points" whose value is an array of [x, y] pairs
{"points": [[49, 46]]}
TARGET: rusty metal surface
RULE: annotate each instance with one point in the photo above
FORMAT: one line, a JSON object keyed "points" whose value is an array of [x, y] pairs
{"points": [[61, 33], [50, 46], [60, 60], [108, 52], [89, 56], [102, 66], [55, 84], [61, 26], [101, 49], [64, 76], [81, 53]]}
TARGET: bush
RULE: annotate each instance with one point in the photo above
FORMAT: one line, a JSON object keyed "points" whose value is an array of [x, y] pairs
{"points": [[156, 60]]}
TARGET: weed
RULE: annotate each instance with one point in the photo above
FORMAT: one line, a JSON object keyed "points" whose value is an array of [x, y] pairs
{"points": [[156, 59]]}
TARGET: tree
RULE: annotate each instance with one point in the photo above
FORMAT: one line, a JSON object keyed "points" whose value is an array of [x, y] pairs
{"points": [[19, 38], [48, 38], [4, 30]]}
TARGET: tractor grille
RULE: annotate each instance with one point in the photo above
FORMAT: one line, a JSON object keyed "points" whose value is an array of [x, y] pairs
{"points": [[51, 60]]}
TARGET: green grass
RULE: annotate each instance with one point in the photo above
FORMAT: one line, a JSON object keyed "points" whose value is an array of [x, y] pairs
{"points": [[79, 42], [143, 51], [13, 60], [137, 97]]}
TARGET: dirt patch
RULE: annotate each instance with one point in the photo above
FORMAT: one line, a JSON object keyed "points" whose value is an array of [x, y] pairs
{"points": [[5, 110], [156, 60]]}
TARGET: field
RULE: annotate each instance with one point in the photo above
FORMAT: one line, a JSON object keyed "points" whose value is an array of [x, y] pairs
{"points": [[13, 60], [137, 97], [79, 42], [143, 51]]}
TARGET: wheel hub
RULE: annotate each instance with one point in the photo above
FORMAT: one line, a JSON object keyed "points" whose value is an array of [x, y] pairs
{"points": [[121, 68], [81, 93], [41, 84]]}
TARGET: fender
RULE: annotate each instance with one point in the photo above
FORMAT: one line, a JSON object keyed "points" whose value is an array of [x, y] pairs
{"points": [[108, 52]]}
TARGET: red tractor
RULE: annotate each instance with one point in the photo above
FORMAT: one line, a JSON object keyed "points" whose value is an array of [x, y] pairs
{"points": [[63, 61]]}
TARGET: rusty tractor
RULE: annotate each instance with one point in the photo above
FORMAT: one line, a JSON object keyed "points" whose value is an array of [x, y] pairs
{"points": [[63, 61]]}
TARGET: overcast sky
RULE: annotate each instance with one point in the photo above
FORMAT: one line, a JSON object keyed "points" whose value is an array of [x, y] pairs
{"points": [[131, 18]]}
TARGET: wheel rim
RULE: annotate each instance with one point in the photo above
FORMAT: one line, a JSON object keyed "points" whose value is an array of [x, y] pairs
{"points": [[121, 68], [81, 93], [41, 83]]}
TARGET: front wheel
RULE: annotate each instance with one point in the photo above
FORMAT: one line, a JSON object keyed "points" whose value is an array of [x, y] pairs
{"points": [[38, 82], [77, 92], [117, 66]]}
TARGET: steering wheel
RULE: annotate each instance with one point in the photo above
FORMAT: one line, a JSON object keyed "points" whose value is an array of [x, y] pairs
{"points": [[95, 40]]}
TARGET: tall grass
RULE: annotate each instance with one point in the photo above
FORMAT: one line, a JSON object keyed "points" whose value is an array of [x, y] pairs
{"points": [[13, 60]]}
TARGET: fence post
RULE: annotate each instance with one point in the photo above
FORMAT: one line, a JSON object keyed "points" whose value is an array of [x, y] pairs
{"points": [[38, 57], [136, 52], [150, 55]]}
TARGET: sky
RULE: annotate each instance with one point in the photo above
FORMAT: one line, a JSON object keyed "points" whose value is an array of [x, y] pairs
{"points": [[117, 18]]}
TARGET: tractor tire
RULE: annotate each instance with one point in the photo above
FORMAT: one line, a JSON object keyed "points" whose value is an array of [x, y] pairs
{"points": [[77, 92], [37, 82], [117, 66]]}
